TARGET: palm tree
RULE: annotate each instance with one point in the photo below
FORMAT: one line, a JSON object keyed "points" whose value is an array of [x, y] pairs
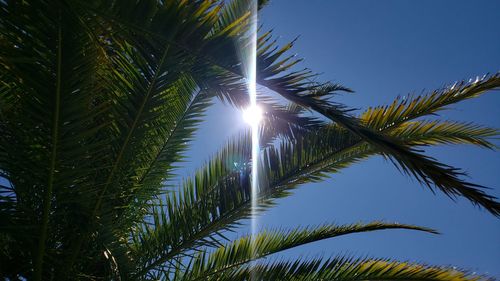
{"points": [[98, 102]]}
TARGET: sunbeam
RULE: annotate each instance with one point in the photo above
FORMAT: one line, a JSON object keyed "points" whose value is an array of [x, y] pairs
{"points": [[253, 114]]}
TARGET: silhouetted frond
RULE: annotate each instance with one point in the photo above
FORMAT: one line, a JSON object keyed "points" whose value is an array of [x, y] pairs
{"points": [[98, 103], [347, 268]]}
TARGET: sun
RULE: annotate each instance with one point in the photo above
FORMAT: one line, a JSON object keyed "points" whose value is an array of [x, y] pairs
{"points": [[252, 115]]}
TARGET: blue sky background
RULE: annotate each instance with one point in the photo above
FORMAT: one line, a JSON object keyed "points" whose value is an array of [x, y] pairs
{"points": [[383, 49]]}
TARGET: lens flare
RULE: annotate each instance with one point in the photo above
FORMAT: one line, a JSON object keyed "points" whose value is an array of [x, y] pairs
{"points": [[252, 115]]}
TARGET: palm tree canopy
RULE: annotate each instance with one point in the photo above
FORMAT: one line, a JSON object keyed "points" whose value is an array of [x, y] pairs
{"points": [[98, 101]]}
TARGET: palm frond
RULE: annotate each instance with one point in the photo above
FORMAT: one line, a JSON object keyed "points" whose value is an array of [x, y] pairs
{"points": [[48, 115], [99, 99], [153, 91], [347, 268], [297, 88], [220, 194], [172, 232], [265, 243], [445, 132], [405, 108]]}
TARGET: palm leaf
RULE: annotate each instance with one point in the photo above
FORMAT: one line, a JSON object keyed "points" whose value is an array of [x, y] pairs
{"points": [[346, 268], [51, 117], [445, 132], [251, 248], [99, 99], [220, 194], [405, 108]]}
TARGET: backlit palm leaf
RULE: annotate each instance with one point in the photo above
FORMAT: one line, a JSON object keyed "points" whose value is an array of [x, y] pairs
{"points": [[249, 248], [346, 268], [98, 101], [220, 195]]}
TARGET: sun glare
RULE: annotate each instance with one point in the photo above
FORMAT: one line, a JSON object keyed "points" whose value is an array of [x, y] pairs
{"points": [[252, 115]]}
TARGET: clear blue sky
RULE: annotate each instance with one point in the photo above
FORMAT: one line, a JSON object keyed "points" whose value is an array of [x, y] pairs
{"points": [[382, 49]]}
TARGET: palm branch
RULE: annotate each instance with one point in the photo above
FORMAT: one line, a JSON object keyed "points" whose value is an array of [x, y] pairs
{"points": [[98, 102]]}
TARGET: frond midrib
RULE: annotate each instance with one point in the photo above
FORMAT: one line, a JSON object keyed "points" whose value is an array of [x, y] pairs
{"points": [[38, 266]]}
